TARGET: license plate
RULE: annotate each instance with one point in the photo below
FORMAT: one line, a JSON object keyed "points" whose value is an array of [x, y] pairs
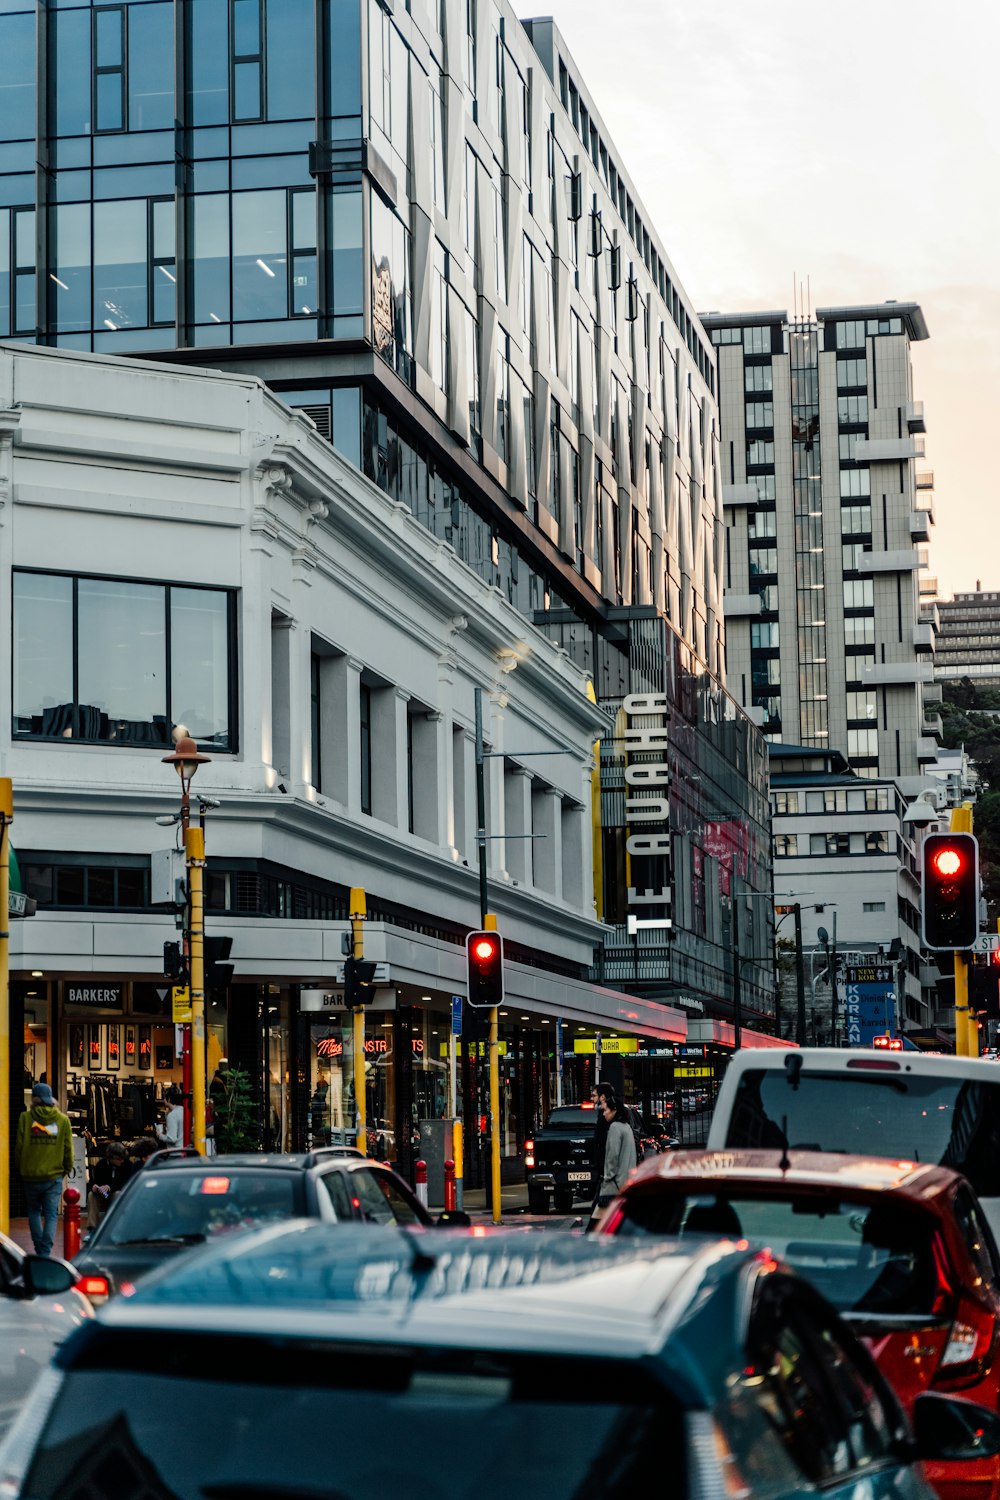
{"points": [[577, 1176]]}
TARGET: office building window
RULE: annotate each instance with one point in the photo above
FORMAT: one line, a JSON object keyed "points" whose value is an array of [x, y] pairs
{"points": [[439, 317], [763, 635], [758, 378], [109, 68], [859, 593], [862, 742], [760, 414], [873, 906], [855, 482], [315, 719], [786, 845], [877, 842], [247, 60], [852, 410], [502, 430], [785, 802], [114, 661], [366, 749], [391, 297], [757, 341], [851, 373], [759, 452]]}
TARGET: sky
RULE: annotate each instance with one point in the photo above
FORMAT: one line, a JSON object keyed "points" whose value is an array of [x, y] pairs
{"points": [[854, 147]]}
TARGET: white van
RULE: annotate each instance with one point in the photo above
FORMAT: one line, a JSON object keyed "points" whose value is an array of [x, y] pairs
{"points": [[907, 1106]]}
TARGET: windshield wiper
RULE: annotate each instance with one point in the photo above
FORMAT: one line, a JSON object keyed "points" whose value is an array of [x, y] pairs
{"points": [[165, 1239]]}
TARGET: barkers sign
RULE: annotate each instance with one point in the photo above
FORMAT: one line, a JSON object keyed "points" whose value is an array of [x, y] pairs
{"points": [[647, 812], [109, 995]]}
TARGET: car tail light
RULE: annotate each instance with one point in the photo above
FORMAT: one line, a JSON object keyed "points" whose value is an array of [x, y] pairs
{"points": [[969, 1342], [529, 1153], [612, 1219], [97, 1288]]}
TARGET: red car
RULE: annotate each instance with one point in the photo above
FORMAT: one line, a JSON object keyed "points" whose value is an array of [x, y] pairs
{"points": [[902, 1250]]}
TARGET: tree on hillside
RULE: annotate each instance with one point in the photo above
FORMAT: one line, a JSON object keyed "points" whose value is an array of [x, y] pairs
{"points": [[968, 722]]}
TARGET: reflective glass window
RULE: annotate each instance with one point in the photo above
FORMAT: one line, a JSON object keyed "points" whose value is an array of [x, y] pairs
{"points": [[151, 66], [344, 57], [109, 37], [110, 101], [121, 654], [290, 60], [247, 91], [4, 272], [211, 258], [246, 28], [260, 256], [43, 654], [69, 257], [346, 242], [391, 315], [17, 77], [199, 670], [69, 63], [120, 264], [208, 76]]}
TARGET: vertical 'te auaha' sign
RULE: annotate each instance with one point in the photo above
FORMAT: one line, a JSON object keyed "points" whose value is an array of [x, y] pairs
{"points": [[647, 811]]}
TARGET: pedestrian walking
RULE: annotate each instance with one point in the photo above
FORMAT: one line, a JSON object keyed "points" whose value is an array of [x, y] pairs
{"points": [[619, 1158], [43, 1153]]}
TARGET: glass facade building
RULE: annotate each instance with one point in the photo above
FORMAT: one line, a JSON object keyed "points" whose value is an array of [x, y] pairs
{"points": [[409, 219]]}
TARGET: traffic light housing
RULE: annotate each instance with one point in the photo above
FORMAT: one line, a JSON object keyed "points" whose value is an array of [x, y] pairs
{"points": [[173, 963], [218, 972], [949, 891], [484, 961], [359, 982], [984, 989]]}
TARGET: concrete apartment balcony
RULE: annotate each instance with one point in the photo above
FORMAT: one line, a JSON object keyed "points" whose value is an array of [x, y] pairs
{"points": [[933, 725], [929, 613], [927, 748], [904, 561], [739, 494], [933, 693], [927, 587], [887, 450], [924, 479], [923, 636], [930, 975], [898, 673], [921, 521], [737, 606], [914, 414]]}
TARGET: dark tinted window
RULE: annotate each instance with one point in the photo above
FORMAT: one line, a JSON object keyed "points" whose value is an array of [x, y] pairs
{"points": [[169, 1205], [977, 1236], [199, 1415], [335, 1186], [867, 1255], [572, 1119], [941, 1120]]}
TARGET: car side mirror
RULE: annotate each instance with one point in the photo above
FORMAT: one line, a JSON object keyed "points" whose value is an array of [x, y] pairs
{"points": [[948, 1429], [44, 1277], [453, 1218]]}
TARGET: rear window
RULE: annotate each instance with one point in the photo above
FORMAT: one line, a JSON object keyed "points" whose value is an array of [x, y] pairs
{"points": [[942, 1121], [192, 1206], [873, 1257], [199, 1415], [572, 1119]]}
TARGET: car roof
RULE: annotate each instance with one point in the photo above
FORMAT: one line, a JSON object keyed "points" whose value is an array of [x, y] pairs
{"points": [[802, 1170], [856, 1061], [540, 1293], [288, 1161]]}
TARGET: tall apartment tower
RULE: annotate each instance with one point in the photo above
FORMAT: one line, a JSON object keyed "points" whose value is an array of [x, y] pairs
{"points": [[828, 642], [968, 641]]}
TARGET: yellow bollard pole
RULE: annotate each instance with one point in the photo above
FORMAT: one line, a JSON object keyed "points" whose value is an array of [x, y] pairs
{"points": [[458, 1156], [6, 1144], [490, 925], [359, 911], [194, 846]]}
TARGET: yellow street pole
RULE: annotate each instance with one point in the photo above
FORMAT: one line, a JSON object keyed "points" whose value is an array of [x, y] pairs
{"points": [[961, 822], [194, 846], [490, 925], [6, 818], [359, 911]]}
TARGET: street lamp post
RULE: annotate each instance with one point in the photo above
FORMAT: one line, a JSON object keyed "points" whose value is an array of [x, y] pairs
{"points": [[185, 760]]}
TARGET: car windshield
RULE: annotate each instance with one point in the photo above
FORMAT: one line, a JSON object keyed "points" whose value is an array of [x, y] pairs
{"points": [[572, 1119], [941, 1121], [191, 1206], [217, 1417], [872, 1257]]}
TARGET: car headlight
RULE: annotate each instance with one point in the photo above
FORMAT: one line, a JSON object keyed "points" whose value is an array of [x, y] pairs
{"points": [[18, 1448]]}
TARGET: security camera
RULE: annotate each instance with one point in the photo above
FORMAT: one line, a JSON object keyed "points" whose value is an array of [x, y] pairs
{"points": [[208, 802], [167, 820], [922, 812]]}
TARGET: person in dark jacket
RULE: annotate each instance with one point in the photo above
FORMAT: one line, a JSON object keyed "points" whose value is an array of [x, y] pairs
{"points": [[107, 1179]]}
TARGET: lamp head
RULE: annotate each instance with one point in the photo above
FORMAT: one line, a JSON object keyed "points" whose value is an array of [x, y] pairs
{"points": [[186, 758]]}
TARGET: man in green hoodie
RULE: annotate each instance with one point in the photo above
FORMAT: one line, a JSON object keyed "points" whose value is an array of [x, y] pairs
{"points": [[44, 1156]]}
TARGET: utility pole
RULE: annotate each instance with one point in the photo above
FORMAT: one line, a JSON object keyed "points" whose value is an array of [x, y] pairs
{"points": [[489, 923], [358, 913], [6, 818], [194, 847], [737, 991]]}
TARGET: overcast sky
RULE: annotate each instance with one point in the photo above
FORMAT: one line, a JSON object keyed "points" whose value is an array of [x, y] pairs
{"points": [[855, 145]]}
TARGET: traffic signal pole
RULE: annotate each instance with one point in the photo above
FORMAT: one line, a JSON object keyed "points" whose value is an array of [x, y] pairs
{"points": [[359, 911], [489, 923], [965, 1026]]}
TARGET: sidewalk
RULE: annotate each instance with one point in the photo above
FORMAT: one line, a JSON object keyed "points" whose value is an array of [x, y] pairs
{"points": [[20, 1235]]}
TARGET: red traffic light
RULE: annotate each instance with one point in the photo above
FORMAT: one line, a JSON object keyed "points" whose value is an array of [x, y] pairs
{"points": [[949, 894], [947, 861], [484, 963], [892, 1043]]}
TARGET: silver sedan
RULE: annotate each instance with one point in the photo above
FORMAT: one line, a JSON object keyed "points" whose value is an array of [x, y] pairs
{"points": [[38, 1309]]}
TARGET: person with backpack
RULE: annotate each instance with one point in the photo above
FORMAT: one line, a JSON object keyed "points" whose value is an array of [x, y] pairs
{"points": [[43, 1152]]}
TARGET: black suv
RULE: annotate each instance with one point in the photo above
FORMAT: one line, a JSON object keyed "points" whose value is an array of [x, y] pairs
{"points": [[180, 1199]]}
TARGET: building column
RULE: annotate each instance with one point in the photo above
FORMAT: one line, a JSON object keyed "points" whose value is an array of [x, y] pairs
{"points": [[464, 766], [282, 672], [576, 873], [546, 818], [340, 726], [517, 812]]}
